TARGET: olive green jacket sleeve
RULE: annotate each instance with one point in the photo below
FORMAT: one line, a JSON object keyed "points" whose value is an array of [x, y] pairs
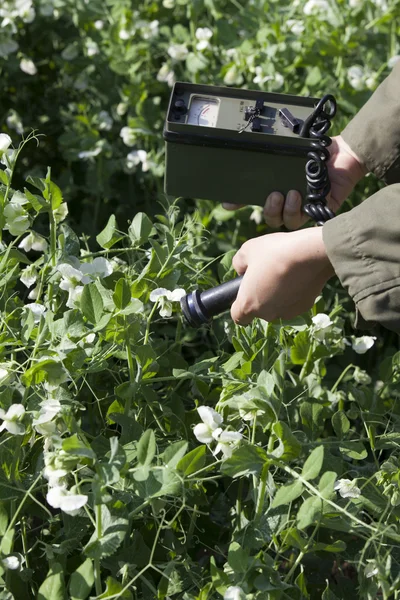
{"points": [[374, 133], [363, 246]]}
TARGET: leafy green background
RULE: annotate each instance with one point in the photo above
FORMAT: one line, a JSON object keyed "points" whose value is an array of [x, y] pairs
{"points": [[164, 517]]}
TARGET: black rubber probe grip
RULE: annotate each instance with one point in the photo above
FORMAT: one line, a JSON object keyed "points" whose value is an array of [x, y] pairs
{"points": [[200, 307]]}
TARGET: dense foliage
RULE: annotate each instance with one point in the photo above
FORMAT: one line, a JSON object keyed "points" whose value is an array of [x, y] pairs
{"points": [[140, 458]]}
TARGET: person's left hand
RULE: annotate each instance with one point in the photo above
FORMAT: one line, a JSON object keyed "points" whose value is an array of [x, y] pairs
{"points": [[283, 274]]}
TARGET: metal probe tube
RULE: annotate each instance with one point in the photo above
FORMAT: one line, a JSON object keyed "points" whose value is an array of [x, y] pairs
{"points": [[199, 307]]}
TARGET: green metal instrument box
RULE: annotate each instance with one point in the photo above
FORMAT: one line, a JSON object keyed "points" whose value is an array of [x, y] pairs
{"points": [[234, 145]]}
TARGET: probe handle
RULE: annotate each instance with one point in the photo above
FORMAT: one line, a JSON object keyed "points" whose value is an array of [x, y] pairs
{"points": [[199, 307]]}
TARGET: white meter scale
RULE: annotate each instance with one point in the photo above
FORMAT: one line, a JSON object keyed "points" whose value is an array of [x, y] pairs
{"points": [[203, 111]]}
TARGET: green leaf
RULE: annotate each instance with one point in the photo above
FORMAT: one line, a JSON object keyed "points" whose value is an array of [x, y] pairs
{"points": [[3, 519], [245, 460], [193, 461], [114, 525], [327, 483], [220, 579], [43, 370], [3, 177], [354, 450], [109, 236], [37, 202], [196, 62], [313, 464], [122, 294], [289, 447], [287, 493], [52, 587], [53, 195], [238, 558], [92, 303], [309, 512], [76, 447], [140, 229], [81, 581], [146, 448], [174, 453], [114, 589], [336, 546], [299, 350], [340, 423]]}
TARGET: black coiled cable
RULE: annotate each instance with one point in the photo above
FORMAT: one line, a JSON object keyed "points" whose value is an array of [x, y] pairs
{"points": [[317, 177]]}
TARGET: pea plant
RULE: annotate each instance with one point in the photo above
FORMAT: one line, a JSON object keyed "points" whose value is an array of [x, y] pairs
{"points": [[141, 458]]}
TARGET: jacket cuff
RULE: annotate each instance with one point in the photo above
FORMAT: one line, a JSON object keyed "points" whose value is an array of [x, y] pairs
{"points": [[374, 133], [363, 246]]}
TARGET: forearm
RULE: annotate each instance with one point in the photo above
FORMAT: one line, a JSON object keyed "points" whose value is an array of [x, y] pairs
{"points": [[374, 133], [363, 246]]}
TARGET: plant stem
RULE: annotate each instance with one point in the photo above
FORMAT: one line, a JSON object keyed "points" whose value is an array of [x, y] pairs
{"points": [[99, 533], [340, 378]]}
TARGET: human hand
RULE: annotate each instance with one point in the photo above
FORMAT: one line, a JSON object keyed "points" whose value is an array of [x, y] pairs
{"points": [[283, 274], [345, 170]]}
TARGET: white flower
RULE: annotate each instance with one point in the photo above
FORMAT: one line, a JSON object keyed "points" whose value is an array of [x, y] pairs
{"points": [[105, 120], [233, 76], [168, 3], [14, 121], [71, 278], [99, 24], [393, 60], [61, 212], [166, 297], [38, 310], [17, 219], [178, 51], [150, 30], [128, 136], [49, 409], [363, 343], [5, 142], [28, 66], [361, 376], [314, 7], [226, 441], [6, 373], [124, 34], [347, 488], [371, 569], [11, 562], [91, 47], [28, 276], [211, 423], [257, 215], [135, 158], [95, 151], [382, 4], [100, 267], [11, 419], [33, 241], [356, 77], [321, 325], [356, 3], [165, 74], [33, 294], [67, 501], [203, 34], [234, 592], [294, 26]]}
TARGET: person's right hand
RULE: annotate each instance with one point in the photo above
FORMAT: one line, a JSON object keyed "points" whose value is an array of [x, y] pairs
{"points": [[345, 170]]}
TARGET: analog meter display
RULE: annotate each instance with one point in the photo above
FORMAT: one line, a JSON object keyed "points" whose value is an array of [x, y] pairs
{"points": [[203, 111]]}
